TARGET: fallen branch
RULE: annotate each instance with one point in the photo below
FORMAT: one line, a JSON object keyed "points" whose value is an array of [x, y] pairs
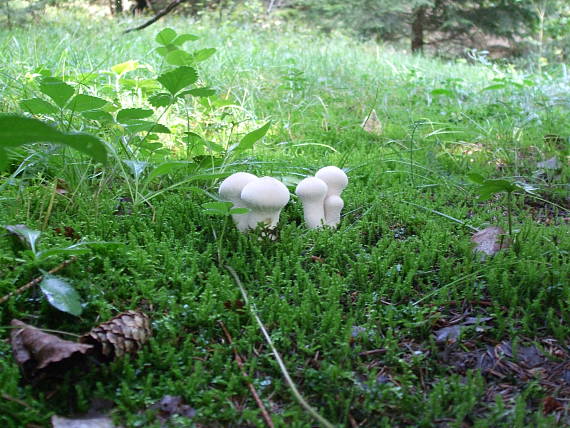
{"points": [[165, 11], [277, 356], [36, 281], [239, 361]]}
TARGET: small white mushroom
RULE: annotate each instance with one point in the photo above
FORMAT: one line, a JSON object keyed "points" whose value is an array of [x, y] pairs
{"points": [[336, 180], [265, 197], [333, 207], [230, 191], [312, 192]]}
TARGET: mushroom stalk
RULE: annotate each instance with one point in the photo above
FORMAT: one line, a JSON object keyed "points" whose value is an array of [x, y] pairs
{"points": [[336, 180], [312, 192]]}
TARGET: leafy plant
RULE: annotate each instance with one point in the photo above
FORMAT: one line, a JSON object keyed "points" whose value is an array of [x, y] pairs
{"points": [[489, 187]]}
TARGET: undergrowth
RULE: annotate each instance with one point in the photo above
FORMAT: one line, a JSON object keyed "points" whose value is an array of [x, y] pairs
{"points": [[353, 311]]}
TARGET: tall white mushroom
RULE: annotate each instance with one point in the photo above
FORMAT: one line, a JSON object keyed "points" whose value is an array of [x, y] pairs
{"points": [[230, 191], [265, 197], [312, 192], [336, 180]]}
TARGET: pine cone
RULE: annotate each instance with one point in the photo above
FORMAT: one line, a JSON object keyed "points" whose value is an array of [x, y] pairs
{"points": [[123, 334]]}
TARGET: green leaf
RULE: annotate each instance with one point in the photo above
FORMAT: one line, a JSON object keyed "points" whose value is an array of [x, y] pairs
{"points": [[183, 38], [198, 92], [18, 130], [4, 161], [179, 57], [443, 91], [81, 103], [203, 54], [61, 295], [99, 115], [250, 139], [135, 126], [165, 50], [167, 168], [166, 36], [495, 87], [38, 106], [68, 251], [125, 67], [26, 235], [161, 99], [218, 208], [57, 90], [128, 114], [178, 79], [476, 178], [239, 211]]}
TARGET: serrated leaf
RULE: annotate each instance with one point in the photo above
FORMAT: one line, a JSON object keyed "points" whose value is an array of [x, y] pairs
{"points": [[178, 79], [197, 92], [26, 235], [59, 91], [18, 130], [166, 36], [160, 100], [99, 115], [125, 67], [203, 54], [38, 106], [179, 57], [81, 103], [61, 295], [183, 38], [250, 139], [165, 50], [128, 114]]}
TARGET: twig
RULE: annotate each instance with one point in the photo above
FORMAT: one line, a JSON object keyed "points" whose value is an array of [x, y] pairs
{"points": [[37, 280], [16, 400], [239, 361], [165, 11], [278, 358]]}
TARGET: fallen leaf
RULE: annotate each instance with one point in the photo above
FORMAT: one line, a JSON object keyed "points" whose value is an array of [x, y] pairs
{"points": [[551, 405], [68, 232], [89, 422], [372, 124], [172, 405], [490, 240], [448, 334], [551, 163], [35, 350]]}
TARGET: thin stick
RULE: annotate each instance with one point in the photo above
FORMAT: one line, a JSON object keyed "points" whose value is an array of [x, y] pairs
{"points": [[37, 280], [16, 400], [165, 11], [239, 361], [50, 205], [284, 371]]}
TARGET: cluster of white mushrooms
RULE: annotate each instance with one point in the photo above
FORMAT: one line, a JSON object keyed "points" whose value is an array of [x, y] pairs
{"points": [[265, 197]]}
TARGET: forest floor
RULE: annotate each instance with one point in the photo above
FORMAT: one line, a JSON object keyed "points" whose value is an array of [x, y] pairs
{"points": [[392, 319]]}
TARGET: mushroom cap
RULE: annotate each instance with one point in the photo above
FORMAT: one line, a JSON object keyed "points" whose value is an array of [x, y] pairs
{"points": [[231, 187], [265, 193], [334, 177], [311, 188]]}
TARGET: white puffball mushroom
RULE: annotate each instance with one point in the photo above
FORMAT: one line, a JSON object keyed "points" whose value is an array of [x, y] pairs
{"points": [[230, 191], [333, 207], [265, 197], [312, 192], [337, 181], [335, 178]]}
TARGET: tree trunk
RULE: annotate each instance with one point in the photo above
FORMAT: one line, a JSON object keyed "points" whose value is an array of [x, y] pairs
{"points": [[118, 7], [418, 30]]}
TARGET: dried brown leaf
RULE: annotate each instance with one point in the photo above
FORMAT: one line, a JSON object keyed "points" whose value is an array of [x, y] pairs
{"points": [[490, 240], [35, 350], [372, 124]]}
